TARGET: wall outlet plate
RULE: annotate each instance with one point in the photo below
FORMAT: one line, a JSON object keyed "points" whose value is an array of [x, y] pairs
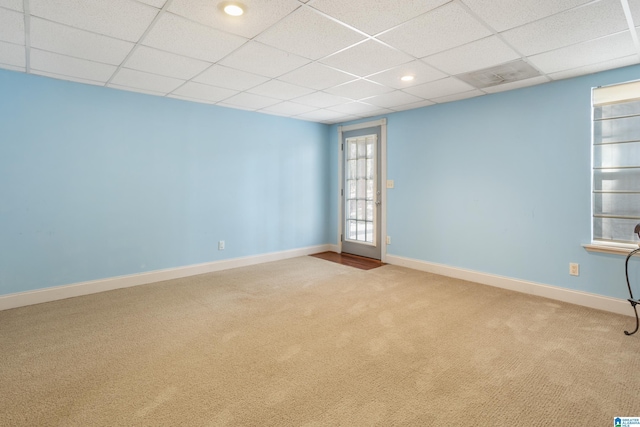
{"points": [[574, 269], [221, 245]]}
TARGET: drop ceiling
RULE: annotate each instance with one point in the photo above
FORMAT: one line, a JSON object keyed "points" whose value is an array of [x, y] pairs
{"points": [[320, 60]]}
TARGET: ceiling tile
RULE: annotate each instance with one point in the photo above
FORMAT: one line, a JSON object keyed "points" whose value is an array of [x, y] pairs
{"points": [[458, 96], [11, 26], [341, 119], [186, 98], [258, 16], [413, 106], [316, 76], [307, 33], [393, 99], [444, 28], [12, 54], [367, 58], [588, 53], [358, 89], [175, 34], [229, 78], [67, 78], [122, 19], [69, 41], [577, 25], [250, 101], [516, 85], [154, 3], [595, 68], [321, 100], [476, 55], [439, 88], [381, 112], [164, 63], [505, 14], [634, 5], [375, 16], [288, 108], [421, 72], [265, 60], [280, 90], [134, 89], [13, 4], [145, 81], [357, 108], [68, 66], [321, 115], [12, 68], [236, 107], [204, 92], [274, 113]]}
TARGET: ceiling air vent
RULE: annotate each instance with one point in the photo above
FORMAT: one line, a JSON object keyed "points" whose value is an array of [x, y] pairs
{"points": [[500, 74]]}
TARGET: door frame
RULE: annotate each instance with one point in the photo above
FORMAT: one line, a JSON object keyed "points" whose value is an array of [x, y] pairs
{"points": [[383, 182]]}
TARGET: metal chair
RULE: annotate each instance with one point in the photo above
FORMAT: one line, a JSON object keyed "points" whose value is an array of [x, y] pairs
{"points": [[631, 300]]}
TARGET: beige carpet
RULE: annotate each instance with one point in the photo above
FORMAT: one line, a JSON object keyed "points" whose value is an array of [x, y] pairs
{"points": [[306, 342]]}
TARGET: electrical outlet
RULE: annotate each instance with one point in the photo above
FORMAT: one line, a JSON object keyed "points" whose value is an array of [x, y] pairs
{"points": [[574, 269], [388, 240], [221, 245]]}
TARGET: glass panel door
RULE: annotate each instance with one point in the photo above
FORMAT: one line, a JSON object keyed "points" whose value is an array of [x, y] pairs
{"points": [[361, 199], [361, 190]]}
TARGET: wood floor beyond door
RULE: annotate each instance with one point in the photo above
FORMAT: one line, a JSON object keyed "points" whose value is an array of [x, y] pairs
{"points": [[356, 261]]}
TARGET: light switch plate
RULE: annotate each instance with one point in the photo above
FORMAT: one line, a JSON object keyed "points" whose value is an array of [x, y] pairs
{"points": [[390, 183]]}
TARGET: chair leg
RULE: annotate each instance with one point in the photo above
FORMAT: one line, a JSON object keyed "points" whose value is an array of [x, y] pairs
{"points": [[633, 304]]}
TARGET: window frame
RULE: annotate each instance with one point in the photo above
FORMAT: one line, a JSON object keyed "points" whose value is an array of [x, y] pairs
{"points": [[600, 245]]}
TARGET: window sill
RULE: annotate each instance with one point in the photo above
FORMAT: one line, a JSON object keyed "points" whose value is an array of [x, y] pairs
{"points": [[609, 249]]}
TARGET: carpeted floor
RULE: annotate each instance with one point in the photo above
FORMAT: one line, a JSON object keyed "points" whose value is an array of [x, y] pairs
{"points": [[306, 342]]}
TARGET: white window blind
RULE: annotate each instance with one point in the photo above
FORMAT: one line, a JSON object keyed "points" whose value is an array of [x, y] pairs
{"points": [[616, 162]]}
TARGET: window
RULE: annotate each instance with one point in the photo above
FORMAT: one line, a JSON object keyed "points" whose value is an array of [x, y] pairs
{"points": [[616, 163]]}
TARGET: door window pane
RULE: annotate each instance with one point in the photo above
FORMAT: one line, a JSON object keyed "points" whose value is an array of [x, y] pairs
{"points": [[351, 189], [351, 210], [361, 192], [351, 169], [351, 230], [369, 232]]}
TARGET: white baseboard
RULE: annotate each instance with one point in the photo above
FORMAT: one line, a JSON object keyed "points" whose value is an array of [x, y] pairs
{"points": [[614, 305], [38, 296]]}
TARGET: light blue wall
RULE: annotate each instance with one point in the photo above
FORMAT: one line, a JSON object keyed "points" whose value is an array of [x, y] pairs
{"points": [[500, 184], [97, 183]]}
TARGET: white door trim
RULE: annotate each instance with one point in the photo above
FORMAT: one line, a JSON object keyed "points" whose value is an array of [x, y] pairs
{"points": [[383, 180]]}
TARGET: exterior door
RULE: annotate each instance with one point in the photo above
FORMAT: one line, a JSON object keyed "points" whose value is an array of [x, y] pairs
{"points": [[362, 200]]}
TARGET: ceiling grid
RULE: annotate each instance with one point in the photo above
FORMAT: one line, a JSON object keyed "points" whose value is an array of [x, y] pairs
{"points": [[320, 60], [149, 28]]}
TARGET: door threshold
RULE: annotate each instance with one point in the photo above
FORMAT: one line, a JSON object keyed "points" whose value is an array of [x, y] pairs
{"points": [[356, 261]]}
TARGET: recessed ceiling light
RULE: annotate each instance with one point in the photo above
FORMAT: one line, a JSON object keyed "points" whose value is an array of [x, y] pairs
{"points": [[406, 78], [233, 9]]}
